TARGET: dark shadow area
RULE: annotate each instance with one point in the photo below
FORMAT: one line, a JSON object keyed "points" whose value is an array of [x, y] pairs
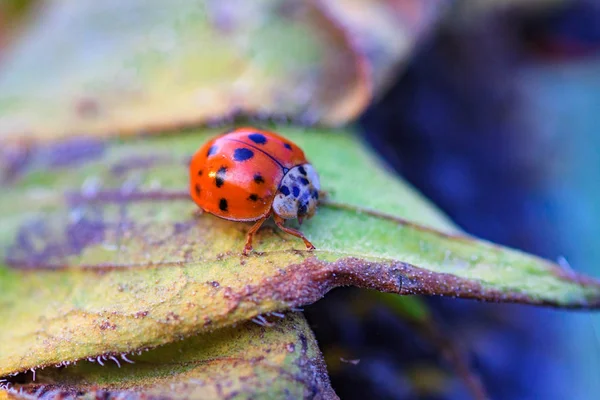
{"points": [[454, 127]]}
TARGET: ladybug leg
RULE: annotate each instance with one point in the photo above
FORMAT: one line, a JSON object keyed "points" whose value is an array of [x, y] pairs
{"points": [[323, 194], [252, 232], [279, 222]]}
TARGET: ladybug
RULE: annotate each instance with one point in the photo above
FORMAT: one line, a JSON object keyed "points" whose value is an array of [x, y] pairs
{"points": [[250, 175]]}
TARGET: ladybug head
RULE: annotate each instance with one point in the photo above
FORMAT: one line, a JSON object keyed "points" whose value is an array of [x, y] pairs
{"points": [[298, 193]]}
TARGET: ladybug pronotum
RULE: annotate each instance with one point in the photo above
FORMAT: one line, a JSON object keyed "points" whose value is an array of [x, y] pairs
{"points": [[250, 175]]}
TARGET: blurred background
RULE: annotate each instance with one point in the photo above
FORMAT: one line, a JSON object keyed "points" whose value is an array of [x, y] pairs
{"points": [[495, 118]]}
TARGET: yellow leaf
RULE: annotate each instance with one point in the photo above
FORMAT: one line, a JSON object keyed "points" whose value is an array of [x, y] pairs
{"points": [[275, 361], [106, 254]]}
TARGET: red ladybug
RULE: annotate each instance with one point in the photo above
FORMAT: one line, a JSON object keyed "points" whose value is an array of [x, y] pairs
{"points": [[249, 174]]}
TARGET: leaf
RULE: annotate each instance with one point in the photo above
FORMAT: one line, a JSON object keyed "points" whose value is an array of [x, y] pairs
{"points": [[112, 240], [155, 67], [278, 361], [384, 31], [5, 395], [409, 308], [11, 16]]}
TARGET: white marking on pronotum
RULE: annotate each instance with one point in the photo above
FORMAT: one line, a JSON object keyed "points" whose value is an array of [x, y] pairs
{"points": [[296, 309], [33, 372], [124, 358], [115, 360], [100, 361]]}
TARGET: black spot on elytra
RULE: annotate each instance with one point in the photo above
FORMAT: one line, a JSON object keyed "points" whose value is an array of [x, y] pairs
{"points": [[253, 197], [285, 190], [242, 154], [220, 177], [296, 191], [302, 170], [303, 181], [258, 179], [223, 204], [257, 138], [287, 146], [200, 173], [197, 189], [212, 150]]}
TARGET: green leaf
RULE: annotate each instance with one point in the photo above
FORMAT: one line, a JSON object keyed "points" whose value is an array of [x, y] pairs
{"points": [[248, 361], [155, 66], [111, 239], [410, 308]]}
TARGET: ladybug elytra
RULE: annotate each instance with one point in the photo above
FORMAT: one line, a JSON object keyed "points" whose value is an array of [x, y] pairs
{"points": [[250, 175]]}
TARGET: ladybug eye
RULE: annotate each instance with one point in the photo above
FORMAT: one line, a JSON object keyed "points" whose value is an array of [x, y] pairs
{"points": [[302, 209]]}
